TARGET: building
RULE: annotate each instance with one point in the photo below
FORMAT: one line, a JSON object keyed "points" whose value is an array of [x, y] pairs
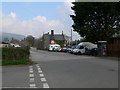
{"points": [[61, 39]]}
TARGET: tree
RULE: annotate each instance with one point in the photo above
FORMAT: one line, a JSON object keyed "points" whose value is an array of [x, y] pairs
{"points": [[96, 21], [30, 39]]}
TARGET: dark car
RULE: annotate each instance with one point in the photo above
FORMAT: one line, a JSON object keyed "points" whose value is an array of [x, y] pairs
{"points": [[64, 49], [92, 52]]}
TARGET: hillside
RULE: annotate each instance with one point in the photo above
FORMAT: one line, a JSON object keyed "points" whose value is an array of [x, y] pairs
{"points": [[9, 36]]}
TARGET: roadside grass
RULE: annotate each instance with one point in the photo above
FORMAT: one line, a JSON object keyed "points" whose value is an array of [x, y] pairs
{"points": [[16, 62]]}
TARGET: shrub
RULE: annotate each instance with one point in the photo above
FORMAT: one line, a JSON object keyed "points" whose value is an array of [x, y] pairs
{"points": [[15, 53]]}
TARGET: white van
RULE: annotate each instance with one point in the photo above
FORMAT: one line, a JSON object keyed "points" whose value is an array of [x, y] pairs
{"points": [[53, 47], [83, 46]]}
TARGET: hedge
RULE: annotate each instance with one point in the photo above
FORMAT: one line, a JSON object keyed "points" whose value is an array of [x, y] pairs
{"points": [[15, 53]]}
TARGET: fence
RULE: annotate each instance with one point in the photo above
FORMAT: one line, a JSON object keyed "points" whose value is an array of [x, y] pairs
{"points": [[113, 47]]}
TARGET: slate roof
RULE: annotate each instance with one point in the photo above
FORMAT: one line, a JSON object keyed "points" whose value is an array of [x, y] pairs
{"points": [[56, 37]]}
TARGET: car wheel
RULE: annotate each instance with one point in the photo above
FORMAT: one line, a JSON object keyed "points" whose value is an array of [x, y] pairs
{"points": [[79, 53]]}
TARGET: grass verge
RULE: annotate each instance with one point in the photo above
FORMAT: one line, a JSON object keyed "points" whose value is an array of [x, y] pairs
{"points": [[17, 62]]}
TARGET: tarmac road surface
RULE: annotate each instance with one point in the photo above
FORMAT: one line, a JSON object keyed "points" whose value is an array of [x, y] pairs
{"points": [[62, 70]]}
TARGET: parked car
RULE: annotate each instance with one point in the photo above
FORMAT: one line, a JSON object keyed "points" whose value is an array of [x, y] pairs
{"points": [[79, 50], [53, 47], [92, 52], [63, 49], [58, 49], [83, 47], [73, 47], [69, 50]]}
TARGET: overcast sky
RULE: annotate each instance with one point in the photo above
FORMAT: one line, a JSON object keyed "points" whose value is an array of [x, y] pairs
{"points": [[34, 18]]}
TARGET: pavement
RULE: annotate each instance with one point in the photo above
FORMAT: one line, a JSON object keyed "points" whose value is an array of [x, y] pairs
{"points": [[62, 70]]}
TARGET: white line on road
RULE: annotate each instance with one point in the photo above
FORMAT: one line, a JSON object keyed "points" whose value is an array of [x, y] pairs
{"points": [[32, 80], [39, 68], [31, 75], [30, 66], [40, 71], [30, 71], [45, 85], [43, 79], [32, 85], [41, 75]]}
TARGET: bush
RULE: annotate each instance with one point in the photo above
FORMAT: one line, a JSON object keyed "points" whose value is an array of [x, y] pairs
{"points": [[15, 53], [16, 62]]}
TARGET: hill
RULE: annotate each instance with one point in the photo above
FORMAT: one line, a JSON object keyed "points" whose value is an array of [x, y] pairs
{"points": [[9, 36]]}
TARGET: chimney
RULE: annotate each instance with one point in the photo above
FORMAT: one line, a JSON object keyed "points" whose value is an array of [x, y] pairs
{"points": [[52, 32], [62, 32], [52, 35]]}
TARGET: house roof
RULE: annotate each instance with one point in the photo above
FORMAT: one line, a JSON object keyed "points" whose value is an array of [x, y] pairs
{"points": [[56, 37], [59, 37]]}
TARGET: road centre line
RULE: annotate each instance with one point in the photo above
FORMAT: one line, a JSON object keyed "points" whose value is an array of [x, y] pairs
{"points": [[32, 85], [45, 85], [30, 71], [30, 66], [39, 68], [39, 71], [43, 79], [32, 80], [41, 75], [31, 75]]}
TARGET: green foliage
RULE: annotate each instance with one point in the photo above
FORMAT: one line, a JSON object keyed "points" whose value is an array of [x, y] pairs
{"points": [[15, 53], [60, 42], [96, 21], [15, 56], [30, 39], [16, 62]]}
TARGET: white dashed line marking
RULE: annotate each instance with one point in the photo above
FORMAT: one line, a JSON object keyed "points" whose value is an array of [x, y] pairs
{"points": [[30, 66], [41, 75], [39, 71], [39, 68], [31, 75], [31, 71], [32, 85], [45, 85], [43, 79], [32, 79]]}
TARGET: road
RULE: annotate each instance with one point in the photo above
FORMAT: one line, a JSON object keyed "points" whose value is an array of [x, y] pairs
{"points": [[62, 70]]}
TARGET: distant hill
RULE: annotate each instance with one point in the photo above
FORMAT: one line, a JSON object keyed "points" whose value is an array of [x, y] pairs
{"points": [[9, 36]]}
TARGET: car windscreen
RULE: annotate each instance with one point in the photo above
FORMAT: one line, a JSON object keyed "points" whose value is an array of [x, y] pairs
{"points": [[79, 47]]}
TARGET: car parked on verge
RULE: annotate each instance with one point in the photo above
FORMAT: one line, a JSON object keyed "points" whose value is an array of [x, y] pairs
{"points": [[82, 47]]}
